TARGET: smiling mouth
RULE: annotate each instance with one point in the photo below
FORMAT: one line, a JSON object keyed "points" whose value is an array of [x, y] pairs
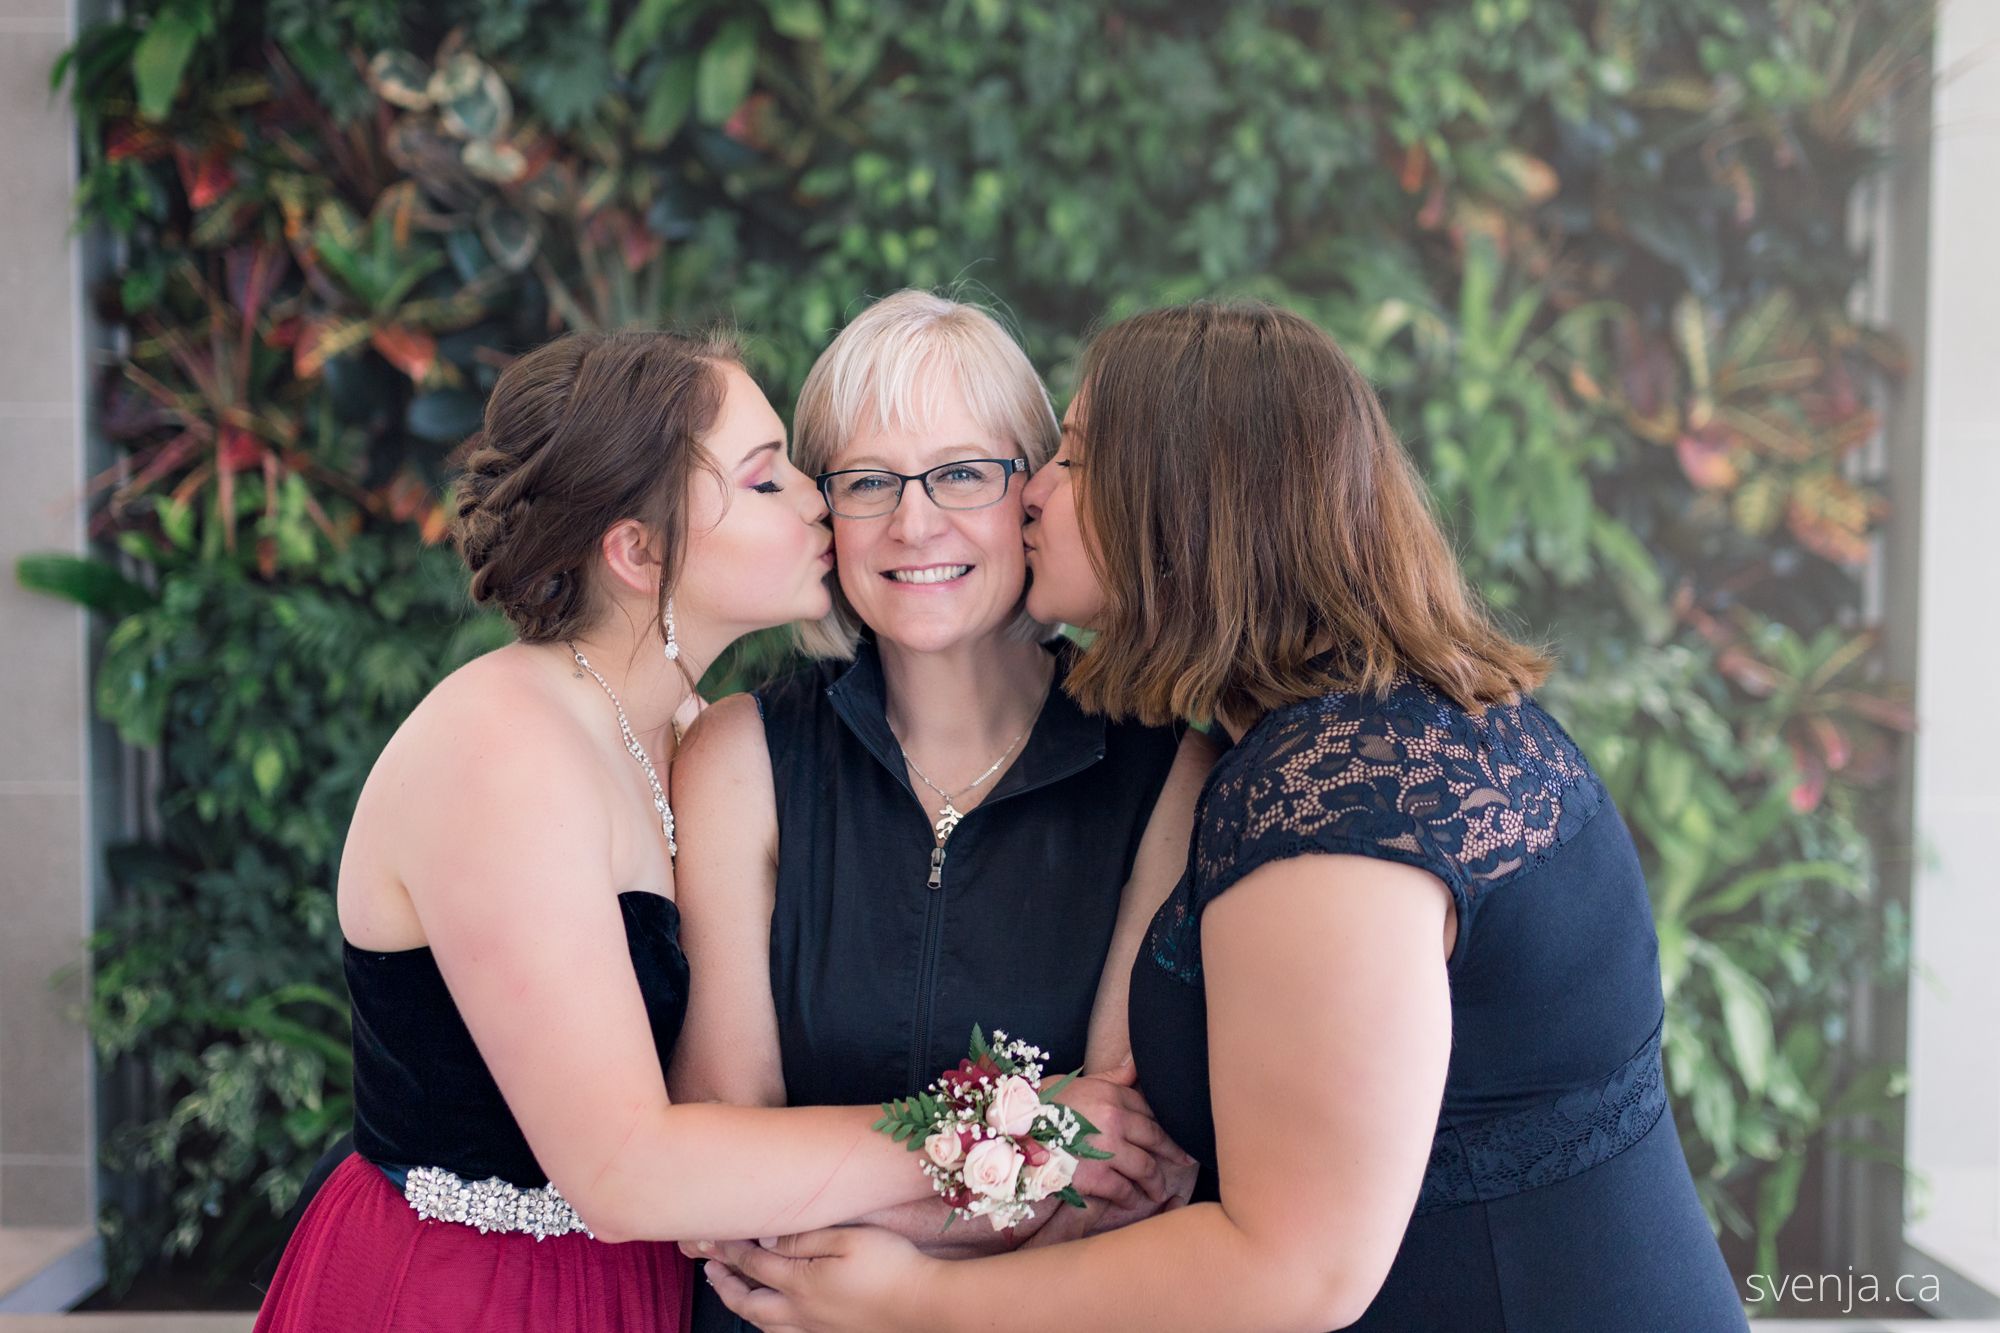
{"points": [[934, 574]]}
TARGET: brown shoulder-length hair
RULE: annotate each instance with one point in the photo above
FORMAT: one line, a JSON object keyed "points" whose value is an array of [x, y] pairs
{"points": [[1248, 509], [580, 434]]}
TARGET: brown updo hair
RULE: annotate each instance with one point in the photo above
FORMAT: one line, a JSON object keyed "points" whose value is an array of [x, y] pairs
{"points": [[579, 434]]}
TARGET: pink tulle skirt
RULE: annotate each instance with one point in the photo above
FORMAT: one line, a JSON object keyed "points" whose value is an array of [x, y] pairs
{"points": [[362, 1261]]}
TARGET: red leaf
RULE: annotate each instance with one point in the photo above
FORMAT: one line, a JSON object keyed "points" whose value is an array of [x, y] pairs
{"points": [[1431, 215], [750, 123], [1705, 459], [1811, 786], [206, 178], [639, 244], [405, 496], [1752, 676], [1832, 740], [411, 351], [436, 525], [133, 139], [253, 273], [237, 448], [1415, 163]]}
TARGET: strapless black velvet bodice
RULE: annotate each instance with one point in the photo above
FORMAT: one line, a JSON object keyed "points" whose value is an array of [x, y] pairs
{"points": [[422, 1094]]}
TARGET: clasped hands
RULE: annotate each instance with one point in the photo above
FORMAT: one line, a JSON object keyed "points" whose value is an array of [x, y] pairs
{"points": [[865, 1278]]}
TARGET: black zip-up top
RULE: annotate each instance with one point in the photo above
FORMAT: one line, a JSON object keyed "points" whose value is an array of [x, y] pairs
{"points": [[878, 976]]}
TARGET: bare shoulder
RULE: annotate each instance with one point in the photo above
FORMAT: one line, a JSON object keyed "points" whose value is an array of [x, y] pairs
{"points": [[728, 738], [490, 732], [725, 797], [487, 743], [502, 702]]}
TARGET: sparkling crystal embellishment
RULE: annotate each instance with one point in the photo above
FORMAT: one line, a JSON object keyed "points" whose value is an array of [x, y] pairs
{"points": [[490, 1205]]}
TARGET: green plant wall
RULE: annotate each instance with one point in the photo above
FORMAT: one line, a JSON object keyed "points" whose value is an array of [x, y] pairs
{"points": [[1592, 251]]}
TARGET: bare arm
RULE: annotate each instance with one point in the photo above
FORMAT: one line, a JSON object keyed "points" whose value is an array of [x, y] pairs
{"points": [[503, 818], [1329, 1032], [1162, 856], [727, 881], [1161, 859]]}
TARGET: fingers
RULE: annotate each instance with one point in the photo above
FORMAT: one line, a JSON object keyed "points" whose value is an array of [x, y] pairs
{"points": [[1143, 1170], [748, 1258], [766, 1309], [808, 1244], [1101, 1180], [1144, 1133]]}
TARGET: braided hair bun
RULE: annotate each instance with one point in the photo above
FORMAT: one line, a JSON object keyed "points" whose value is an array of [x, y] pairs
{"points": [[580, 434]]}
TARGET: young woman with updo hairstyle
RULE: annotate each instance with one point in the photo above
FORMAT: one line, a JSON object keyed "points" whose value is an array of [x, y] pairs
{"points": [[506, 895], [1404, 1004]]}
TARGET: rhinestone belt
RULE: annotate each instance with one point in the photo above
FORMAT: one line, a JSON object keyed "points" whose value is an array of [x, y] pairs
{"points": [[490, 1205]]}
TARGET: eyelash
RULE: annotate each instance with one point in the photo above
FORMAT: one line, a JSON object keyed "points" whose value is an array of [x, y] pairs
{"points": [[767, 488]]}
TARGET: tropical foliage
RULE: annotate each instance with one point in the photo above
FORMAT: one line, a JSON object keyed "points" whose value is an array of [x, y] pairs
{"points": [[1593, 252]]}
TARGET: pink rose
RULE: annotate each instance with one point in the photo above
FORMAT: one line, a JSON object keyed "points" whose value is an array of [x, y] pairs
{"points": [[1051, 1177], [992, 1168], [944, 1148], [1014, 1105]]}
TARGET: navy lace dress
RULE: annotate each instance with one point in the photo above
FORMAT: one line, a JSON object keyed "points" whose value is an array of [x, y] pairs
{"points": [[1556, 1196]]}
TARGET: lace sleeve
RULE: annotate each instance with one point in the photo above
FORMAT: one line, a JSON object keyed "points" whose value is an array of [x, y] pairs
{"points": [[1412, 778], [1318, 782]]}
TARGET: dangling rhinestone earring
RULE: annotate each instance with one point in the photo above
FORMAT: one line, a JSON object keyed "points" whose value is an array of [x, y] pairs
{"points": [[673, 648]]}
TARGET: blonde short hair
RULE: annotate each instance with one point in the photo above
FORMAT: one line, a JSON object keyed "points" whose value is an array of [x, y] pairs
{"points": [[883, 372]]}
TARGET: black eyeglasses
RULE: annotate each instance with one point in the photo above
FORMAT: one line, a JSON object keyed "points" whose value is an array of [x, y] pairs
{"points": [[966, 483]]}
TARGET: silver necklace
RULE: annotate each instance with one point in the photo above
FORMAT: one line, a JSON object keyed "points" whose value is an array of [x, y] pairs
{"points": [[949, 815], [637, 751]]}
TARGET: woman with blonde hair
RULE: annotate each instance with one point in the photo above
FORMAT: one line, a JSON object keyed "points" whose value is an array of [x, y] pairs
{"points": [[507, 888], [1405, 1001], [922, 832]]}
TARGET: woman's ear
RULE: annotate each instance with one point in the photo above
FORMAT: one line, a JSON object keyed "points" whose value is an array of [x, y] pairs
{"points": [[632, 556]]}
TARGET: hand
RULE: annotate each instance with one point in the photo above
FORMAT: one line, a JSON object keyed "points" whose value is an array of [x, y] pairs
{"points": [[1099, 1215], [1142, 1154], [840, 1280]]}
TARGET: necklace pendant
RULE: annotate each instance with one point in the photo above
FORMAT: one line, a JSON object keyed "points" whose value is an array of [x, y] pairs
{"points": [[947, 821]]}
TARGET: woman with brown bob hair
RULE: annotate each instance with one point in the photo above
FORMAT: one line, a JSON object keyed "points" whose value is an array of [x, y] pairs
{"points": [[1405, 1002]]}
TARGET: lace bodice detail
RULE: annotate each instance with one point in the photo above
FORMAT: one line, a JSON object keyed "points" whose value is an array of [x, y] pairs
{"points": [[1409, 777]]}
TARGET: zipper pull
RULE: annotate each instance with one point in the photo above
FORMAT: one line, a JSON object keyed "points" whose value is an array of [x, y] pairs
{"points": [[937, 865]]}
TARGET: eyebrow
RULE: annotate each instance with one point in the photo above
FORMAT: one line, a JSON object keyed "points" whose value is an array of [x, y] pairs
{"points": [[761, 449], [963, 450]]}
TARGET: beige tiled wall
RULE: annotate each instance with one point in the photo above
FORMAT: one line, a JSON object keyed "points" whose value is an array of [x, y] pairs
{"points": [[46, 1113]]}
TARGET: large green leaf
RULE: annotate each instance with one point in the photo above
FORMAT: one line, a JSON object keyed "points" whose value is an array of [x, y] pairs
{"points": [[727, 64], [93, 583], [161, 60]]}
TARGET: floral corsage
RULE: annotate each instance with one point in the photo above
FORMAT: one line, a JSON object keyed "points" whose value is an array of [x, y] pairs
{"points": [[994, 1143]]}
